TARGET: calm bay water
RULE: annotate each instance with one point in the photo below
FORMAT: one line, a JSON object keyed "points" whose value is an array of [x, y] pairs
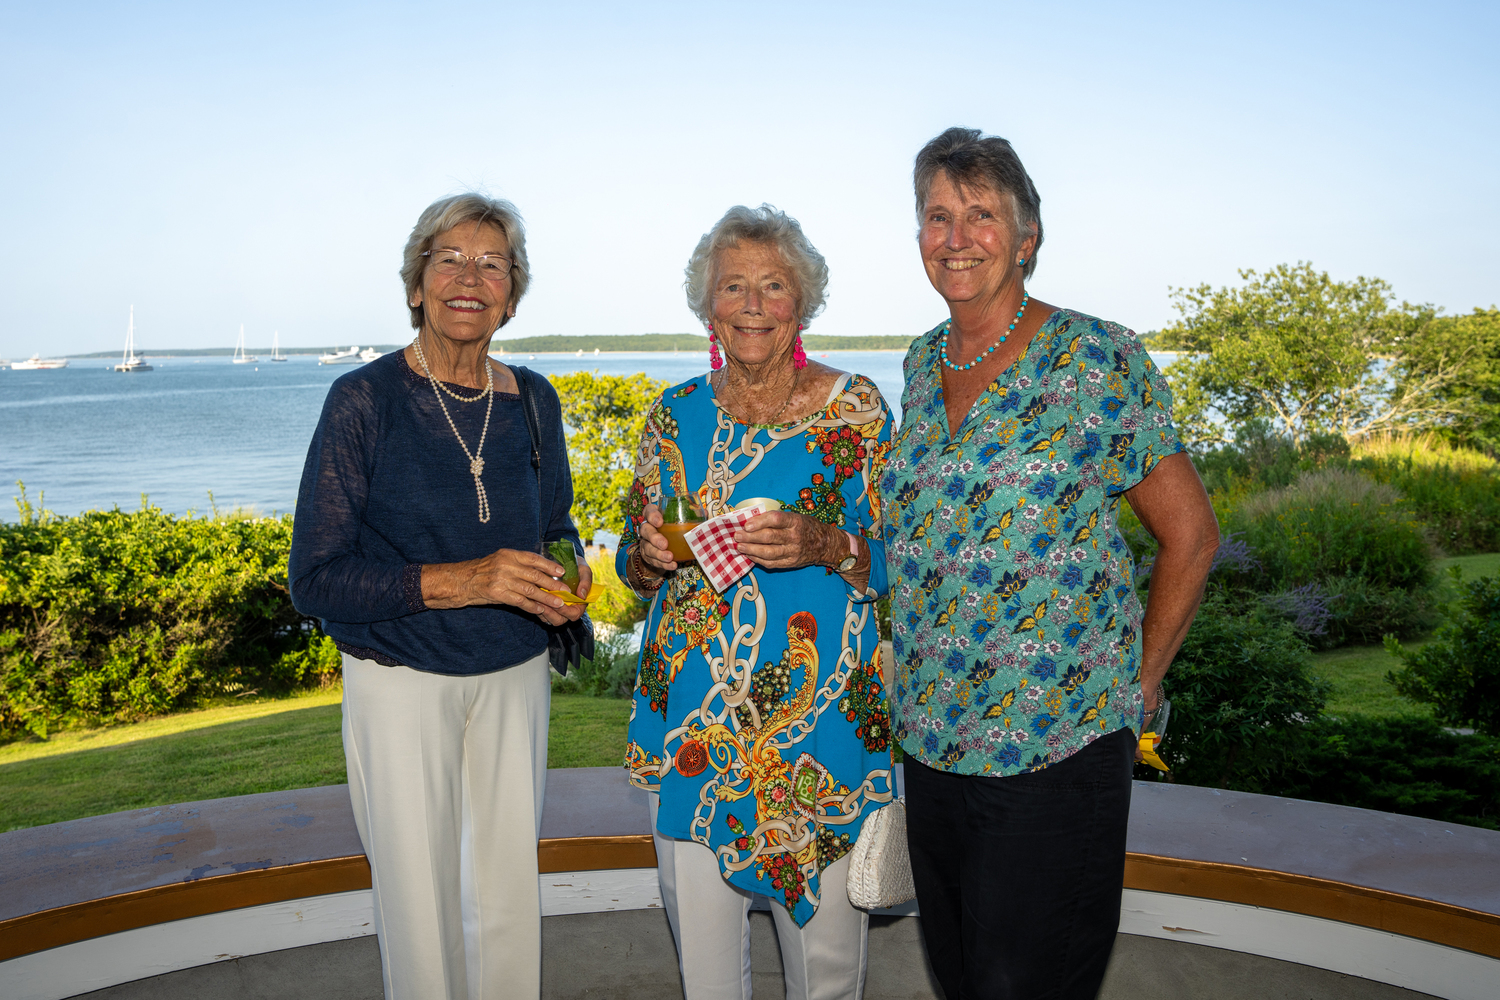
{"points": [[93, 438]]}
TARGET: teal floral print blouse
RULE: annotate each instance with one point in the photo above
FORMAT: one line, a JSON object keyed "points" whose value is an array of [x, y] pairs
{"points": [[1013, 605]]}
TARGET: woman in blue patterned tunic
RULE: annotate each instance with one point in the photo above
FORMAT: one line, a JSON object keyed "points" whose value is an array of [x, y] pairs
{"points": [[760, 722], [1024, 662]]}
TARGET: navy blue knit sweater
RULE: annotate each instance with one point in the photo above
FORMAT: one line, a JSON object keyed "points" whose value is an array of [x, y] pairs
{"points": [[387, 488]]}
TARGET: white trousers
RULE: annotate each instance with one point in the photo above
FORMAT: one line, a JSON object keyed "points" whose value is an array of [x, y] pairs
{"points": [[446, 775], [710, 919]]}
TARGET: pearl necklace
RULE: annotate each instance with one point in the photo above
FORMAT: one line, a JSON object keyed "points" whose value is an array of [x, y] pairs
{"points": [[476, 463], [948, 328]]}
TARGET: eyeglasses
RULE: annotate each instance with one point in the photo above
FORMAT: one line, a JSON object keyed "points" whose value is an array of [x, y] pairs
{"points": [[491, 266]]}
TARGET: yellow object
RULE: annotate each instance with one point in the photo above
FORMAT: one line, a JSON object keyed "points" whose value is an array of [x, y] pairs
{"points": [[596, 591], [1149, 754]]}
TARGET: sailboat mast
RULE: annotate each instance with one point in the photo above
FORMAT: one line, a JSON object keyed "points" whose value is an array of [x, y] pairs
{"points": [[130, 338]]}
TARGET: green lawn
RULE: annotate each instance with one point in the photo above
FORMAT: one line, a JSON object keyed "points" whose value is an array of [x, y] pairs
{"points": [[1473, 567], [1359, 684], [227, 750]]}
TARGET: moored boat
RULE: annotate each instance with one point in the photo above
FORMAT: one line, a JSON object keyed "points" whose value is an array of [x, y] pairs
{"points": [[276, 354], [349, 357], [130, 362], [36, 363], [240, 357], [370, 354]]}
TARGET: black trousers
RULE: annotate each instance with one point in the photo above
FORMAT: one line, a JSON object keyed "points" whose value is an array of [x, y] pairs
{"points": [[1019, 878]]}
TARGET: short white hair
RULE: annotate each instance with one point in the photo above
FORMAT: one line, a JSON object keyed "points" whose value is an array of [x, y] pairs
{"points": [[770, 226]]}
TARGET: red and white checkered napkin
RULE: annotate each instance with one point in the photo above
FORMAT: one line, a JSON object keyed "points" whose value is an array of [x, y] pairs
{"points": [[712, 543]]}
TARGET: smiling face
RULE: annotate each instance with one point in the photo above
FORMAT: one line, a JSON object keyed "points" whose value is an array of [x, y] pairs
{"points": [[465, 307], [968, 241], [755, 304]]}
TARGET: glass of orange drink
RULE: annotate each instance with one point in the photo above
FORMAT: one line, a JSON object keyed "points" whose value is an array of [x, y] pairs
{"points": [[679, 516]]}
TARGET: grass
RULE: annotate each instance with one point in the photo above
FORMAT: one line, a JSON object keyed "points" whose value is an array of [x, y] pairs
{"points": [[265, 746], [1472, 567], [1359, 684]]}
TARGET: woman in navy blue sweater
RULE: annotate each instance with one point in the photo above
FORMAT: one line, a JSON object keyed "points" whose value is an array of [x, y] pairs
{"points": [[417, 530]]}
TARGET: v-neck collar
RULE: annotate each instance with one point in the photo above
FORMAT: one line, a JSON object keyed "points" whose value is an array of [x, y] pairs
{"points": [[935, 369]]}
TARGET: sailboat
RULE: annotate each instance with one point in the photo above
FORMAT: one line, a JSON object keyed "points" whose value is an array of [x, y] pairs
{"points": [[240, 357], [276, 354], [131, 363]]}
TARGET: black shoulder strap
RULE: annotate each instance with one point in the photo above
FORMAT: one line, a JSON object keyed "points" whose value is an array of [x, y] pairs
{"points": [[533, 427]]}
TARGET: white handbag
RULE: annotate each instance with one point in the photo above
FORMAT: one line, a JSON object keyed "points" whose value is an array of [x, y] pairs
{"points": [[879, 866]]}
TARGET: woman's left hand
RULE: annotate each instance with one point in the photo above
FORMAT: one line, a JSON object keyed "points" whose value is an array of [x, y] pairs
{"points": [[783, 539]]}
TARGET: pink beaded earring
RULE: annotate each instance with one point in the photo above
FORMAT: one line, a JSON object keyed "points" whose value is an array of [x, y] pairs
{"points": [[799, 356], [714, 361]]}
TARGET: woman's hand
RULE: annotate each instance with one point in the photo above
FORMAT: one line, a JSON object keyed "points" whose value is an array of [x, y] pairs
{"points": [[505, 576], [783, 539], [653, 544]]}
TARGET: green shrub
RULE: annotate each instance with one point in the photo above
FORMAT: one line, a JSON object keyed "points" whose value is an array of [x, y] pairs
{"points": [[1460, 503], [1458, 671], [1265, 459], [1241, 692], [1332, 524], [111, 616], [1364, 611], [610, 674], [1407, 765]]}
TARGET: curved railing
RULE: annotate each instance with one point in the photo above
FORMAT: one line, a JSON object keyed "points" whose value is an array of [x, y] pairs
{"points": [[111, 899]]}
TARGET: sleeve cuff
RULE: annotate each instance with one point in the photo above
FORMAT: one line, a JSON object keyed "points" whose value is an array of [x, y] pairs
{"points": [[411, 586]]}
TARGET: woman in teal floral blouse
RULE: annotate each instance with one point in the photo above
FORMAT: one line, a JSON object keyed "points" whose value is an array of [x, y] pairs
{"points": [[760, 723], [1025, 663]]}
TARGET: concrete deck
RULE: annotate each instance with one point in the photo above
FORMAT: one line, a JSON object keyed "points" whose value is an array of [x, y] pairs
{"points": [[629, 956]]}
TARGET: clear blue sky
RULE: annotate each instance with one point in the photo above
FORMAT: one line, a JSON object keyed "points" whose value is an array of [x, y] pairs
{"points": [[262, 163]]}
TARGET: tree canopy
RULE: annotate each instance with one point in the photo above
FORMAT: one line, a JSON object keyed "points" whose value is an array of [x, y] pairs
{"points": [[605, 415], [1317, 356]]}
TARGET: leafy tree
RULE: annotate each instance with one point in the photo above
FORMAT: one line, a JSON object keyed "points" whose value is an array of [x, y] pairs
{"points": [[605, 415], [1312, 354], [1461, 355]]}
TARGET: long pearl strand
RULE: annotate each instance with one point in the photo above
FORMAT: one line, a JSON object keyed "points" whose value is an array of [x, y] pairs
{"points": [[948, 328], [476, 462]]}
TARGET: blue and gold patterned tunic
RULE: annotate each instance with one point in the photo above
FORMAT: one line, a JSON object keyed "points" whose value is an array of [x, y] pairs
{"points": [[760, 716], [1013, 606]]}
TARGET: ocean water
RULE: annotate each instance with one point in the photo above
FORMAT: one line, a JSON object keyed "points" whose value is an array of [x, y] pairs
{"points": [[92, 438]]}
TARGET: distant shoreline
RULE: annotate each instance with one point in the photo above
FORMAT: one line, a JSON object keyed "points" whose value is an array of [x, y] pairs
{"points": [[644, 343]]}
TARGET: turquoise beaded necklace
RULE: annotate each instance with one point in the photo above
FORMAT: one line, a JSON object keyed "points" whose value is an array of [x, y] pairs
{"points": [[948, 328]]}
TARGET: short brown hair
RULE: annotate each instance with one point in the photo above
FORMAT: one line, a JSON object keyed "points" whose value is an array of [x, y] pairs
{"points": [[970, 158]]}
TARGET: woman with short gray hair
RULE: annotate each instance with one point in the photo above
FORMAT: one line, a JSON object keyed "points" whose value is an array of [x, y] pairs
{"points": [[760, 725], [424, 502], [1025, 666]]}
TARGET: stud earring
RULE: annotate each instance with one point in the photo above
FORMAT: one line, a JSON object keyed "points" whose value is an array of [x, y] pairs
{"points": [[1021, 262]]}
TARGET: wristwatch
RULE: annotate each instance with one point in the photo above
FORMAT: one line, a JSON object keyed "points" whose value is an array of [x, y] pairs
{"points": [[848, 563]]}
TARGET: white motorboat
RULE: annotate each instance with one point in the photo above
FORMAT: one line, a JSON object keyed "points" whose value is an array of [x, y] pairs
{"points": [[130, 362], [370, 354], [240, 357], [36, 363], [276, 354], [349, 357]]}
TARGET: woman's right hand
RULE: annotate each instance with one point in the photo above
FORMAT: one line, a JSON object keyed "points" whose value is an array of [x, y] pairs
{"points": [[653, 544], [506, 576]]}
